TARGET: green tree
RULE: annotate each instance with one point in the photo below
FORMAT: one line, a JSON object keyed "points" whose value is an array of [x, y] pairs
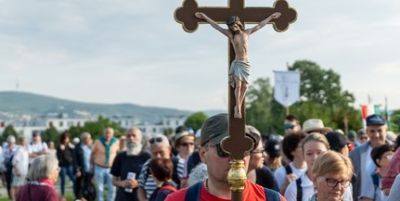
{"points": [[9, 130], [96, 128], [395, 121], [51, 135], [259, 105], [195, 120]]}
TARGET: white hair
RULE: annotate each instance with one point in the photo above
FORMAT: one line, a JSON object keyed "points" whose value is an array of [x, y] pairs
{"points": [[42, 167]]}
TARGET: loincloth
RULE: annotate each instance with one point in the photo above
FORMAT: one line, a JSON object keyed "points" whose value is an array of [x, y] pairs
{"points": [[239, 70]]}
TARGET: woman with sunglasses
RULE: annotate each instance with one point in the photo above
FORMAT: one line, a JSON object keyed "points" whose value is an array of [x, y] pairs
{"points": [[332, 174]]}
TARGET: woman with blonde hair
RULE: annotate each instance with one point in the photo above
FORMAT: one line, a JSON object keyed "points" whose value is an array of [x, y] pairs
{"points": [[332, 173], [302, 189]]}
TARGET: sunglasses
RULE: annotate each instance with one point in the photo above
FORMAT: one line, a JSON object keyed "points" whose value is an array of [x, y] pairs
{"points": [[155, 140], [220, 152], [288, 126], [187, 144]]}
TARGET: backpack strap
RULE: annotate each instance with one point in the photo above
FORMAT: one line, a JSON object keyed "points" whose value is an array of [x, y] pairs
{"points": [[299, 190], [175, 176], [272, 195], [375, 181], [288, 169], [193, 192], [169, 188]]}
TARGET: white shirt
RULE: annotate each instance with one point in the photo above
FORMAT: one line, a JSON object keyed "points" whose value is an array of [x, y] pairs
{"points": [[307, 187], [32, 148], [280, 173], [21, 161]]}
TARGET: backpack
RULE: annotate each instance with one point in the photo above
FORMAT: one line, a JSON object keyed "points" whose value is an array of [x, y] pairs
{"points": [[89, 190], [193, 193]]}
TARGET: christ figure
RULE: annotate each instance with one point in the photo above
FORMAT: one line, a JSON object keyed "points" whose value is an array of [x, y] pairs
{"points": [[240, 67]]}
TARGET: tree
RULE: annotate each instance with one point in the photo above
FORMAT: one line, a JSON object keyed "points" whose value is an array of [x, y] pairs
{"points": [[51, 135], [195, 120], [96, 128], [321, 97], [9, 130], [259, 105]]}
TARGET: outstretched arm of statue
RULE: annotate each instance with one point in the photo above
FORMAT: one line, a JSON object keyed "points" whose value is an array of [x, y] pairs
{"points": [[214, 24], [275, 15]]}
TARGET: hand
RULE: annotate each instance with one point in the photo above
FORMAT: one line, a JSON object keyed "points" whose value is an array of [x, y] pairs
{"points": [[276, 15], [200, 15], [130, 183], [290, 177]]}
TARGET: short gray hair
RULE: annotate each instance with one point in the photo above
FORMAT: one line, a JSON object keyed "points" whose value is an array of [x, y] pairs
{"points": [[85, 135], [42, 167]]}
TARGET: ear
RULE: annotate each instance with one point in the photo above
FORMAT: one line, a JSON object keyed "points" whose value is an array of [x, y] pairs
{"points": [[202, 154]]}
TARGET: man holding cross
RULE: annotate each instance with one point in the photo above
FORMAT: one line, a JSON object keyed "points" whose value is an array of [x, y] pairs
{"points": [[216, 187], [240, 67]]}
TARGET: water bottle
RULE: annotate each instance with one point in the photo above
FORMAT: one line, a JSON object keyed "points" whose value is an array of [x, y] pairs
{"points": [[131, 175]]}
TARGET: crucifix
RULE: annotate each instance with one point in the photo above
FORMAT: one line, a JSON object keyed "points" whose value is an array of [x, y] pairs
{"points": [[236, 15]]}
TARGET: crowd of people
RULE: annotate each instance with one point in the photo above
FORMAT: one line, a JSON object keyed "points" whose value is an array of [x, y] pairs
{"points": [[310, 162]]}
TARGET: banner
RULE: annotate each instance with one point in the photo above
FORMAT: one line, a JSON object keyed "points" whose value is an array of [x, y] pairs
{"points": [[287, 87]]}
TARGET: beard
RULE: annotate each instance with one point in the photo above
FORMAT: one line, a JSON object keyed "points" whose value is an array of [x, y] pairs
{"points": [[133, 148]]}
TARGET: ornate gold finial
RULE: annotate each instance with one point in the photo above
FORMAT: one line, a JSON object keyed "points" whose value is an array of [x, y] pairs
{"points": [[237, 175]]}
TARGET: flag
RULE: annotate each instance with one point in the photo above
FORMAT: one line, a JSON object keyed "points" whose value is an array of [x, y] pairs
{"points": [[364, 114], [287, 87]]}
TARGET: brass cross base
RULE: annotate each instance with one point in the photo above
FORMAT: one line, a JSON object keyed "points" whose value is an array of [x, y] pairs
{"points": [[237, 176]]}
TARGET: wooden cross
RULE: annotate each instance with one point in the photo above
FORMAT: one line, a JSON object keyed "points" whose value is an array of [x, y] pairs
{"points": [[236, 144]]}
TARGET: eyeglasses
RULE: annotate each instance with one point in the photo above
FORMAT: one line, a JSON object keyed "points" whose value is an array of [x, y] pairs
{"points": [[187, 144], [258, 151], [156, 140], [333, 182]]}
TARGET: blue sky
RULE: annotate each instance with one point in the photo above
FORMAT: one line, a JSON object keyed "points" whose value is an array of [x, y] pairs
{"points": [[133, 51]]}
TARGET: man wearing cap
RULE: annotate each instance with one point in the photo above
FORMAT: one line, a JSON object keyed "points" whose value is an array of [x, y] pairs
{"points": [[216, 187], [361, 156]]}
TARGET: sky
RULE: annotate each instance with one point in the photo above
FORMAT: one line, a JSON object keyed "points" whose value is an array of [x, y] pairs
{"points": [[133, 51]]}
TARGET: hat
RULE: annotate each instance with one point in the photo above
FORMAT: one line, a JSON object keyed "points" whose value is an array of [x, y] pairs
{"points": [[273, 148], [254, 134], [336, 140], [375, 120], [314, 125], [182, 134], [214, 129]]}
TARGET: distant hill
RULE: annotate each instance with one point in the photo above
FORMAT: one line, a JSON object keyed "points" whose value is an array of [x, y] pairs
{"points": [[34, 104]]}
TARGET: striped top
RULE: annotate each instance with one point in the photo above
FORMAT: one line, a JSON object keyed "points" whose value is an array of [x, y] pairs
{"points": [[147, 182]]}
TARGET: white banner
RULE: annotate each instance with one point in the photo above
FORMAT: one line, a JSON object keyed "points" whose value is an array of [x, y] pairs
{"points": [[287, 87]]}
